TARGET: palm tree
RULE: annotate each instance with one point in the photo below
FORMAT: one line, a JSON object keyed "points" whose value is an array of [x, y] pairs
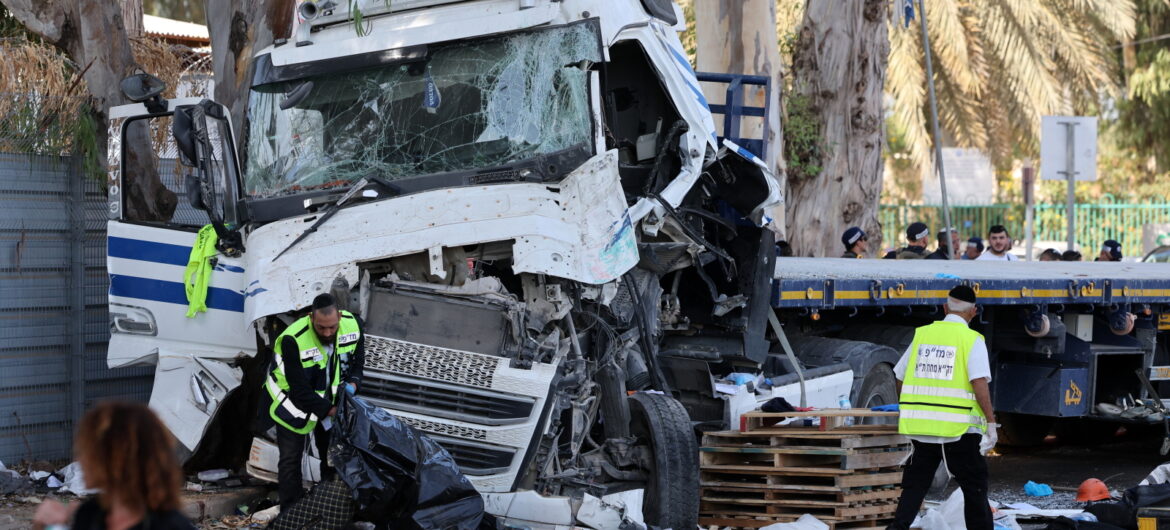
{"points": [[1002, 64]]}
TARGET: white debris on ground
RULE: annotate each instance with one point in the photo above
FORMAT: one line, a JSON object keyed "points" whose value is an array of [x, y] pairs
{"points": [[806, 522]]}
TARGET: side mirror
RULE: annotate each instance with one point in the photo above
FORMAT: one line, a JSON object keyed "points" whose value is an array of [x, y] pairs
{"points": [[194, 192], [184, 133], [141, 87]]}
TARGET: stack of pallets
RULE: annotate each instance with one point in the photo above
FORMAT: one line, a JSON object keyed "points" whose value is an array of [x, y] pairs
{"points": [[847, 476]]}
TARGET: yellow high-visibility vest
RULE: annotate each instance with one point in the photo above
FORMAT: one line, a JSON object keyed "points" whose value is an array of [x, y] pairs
{"points": [[937, 397], [323, 370]]}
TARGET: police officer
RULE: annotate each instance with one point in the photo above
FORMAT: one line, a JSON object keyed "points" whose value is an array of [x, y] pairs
{"points": [[313, 357], [855, 241], [1110, 251], [974, 248], [945, 409], [916, 235]]}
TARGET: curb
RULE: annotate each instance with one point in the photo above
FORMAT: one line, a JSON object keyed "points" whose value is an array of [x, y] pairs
{"points": [[199, 506]]}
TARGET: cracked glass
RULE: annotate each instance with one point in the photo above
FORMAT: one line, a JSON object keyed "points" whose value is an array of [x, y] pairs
{"points": [[471, 105]]}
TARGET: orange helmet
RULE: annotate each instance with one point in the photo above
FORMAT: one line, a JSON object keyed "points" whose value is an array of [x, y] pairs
{"points": [[1092, 490]]}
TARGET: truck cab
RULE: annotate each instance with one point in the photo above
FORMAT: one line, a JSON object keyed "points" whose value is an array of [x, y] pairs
{"points": [[528, 204]]}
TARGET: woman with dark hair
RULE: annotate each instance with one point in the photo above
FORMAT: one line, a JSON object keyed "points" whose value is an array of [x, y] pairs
{"points": [[127, 454]]}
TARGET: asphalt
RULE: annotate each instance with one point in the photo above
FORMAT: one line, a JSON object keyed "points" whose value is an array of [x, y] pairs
{"points": [[1122, 464]]}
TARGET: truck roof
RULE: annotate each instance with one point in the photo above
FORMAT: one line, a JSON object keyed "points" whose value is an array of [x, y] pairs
{"points": [[825, 283]]}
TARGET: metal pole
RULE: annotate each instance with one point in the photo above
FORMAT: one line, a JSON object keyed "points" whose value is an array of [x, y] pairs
{"points": [[938, 159], [1029, 210], [1071, 175]]}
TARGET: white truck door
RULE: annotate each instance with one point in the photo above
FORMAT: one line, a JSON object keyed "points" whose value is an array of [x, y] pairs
{"points": [[147, 254]]}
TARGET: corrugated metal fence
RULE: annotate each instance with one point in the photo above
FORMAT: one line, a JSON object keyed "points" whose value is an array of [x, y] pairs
{"points": [[53, 317], [1095, 222]]}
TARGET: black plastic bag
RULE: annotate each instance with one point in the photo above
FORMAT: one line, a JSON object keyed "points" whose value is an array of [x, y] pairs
{"points": [[1148, 495], [399, 477]]}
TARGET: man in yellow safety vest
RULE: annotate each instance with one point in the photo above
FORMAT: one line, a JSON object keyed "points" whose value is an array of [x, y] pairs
{"points": [[945, 409], [311, 360]]}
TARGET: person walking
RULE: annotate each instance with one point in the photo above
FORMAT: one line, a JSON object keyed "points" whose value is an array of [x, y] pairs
{"points": [[945, 409], [312, 358], [945, 244], [128, 455], [999, 243], [856, 243], [916, 235], [1110, 251]]}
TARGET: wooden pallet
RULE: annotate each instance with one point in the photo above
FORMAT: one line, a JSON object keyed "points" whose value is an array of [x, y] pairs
{"points": [[733, 521], [798, 482], [829, 420], [798, 497], [846, 476], [841, 455]]}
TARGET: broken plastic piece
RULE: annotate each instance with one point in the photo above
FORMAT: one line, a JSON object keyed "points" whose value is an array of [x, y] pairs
{"points": [[212, 475]]}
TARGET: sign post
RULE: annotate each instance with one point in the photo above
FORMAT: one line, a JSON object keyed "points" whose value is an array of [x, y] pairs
{"points": [[1068, 151]]}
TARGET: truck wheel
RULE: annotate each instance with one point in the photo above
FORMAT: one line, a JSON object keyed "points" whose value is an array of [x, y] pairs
{"points": [[878, 388], [672, 491], [1023, 430]]}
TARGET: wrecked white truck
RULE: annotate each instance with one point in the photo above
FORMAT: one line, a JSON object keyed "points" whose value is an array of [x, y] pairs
{"points": [[527, 203]]}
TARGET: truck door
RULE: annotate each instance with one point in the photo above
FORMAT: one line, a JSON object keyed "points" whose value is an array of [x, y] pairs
{"points": [[156, 210]]}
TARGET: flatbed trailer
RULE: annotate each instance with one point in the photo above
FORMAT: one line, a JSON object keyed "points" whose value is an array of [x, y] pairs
{"points": [[1059, 335]]}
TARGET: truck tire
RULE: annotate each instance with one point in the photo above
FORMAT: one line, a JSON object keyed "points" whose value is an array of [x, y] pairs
{"points": [[878, 388], [672, 491], [1023, 430]]}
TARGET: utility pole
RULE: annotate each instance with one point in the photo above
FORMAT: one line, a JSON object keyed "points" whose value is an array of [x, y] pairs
{"points": [[938, 158]]}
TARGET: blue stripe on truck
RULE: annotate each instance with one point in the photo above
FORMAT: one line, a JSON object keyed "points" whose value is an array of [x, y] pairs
{"points": [[172, 292], [155, 252]]}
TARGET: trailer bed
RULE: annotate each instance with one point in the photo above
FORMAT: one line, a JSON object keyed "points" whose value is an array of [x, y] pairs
{"points": [[826, 283]]}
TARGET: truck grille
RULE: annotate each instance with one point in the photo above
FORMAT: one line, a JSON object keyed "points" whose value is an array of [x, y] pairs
{"points": [[477, 459], [446, 400], [440, 364]]}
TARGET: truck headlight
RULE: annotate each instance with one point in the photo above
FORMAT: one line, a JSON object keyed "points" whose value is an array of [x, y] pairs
{"points": [[132, 320]]}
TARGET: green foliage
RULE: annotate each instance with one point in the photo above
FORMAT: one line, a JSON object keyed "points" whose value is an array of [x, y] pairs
{"points": [[360, 25], [1134, 155], [803, 144]]}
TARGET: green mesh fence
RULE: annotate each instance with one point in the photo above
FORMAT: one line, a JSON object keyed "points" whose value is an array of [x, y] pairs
{"points": [[1094, 222]]}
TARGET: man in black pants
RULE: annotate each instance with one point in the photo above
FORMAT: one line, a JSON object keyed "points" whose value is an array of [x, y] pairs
{"points": [[316, 358], [945, 409]]}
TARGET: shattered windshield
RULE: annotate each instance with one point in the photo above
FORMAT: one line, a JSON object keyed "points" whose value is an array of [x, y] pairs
{"points": [[470, 105]]}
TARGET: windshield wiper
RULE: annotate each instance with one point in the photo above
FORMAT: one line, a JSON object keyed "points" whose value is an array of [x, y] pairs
{"points": [[329, 212]]}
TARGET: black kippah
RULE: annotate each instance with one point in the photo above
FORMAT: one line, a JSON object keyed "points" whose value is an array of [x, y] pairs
{"points": [[963, 293], [323, 301]]}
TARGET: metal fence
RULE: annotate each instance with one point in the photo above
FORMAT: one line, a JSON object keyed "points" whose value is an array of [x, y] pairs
{"points": [[53, 317], [1094, 222]]}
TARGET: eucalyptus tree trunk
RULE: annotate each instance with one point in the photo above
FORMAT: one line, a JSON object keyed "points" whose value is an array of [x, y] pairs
{"points": [[132, 18], [238, 29], [739, 36], [839, 69], [93, 34]]}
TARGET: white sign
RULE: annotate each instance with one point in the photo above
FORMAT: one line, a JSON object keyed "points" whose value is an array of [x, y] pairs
{"points": [[970, 178], [1054, 147], [935, 362]]}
